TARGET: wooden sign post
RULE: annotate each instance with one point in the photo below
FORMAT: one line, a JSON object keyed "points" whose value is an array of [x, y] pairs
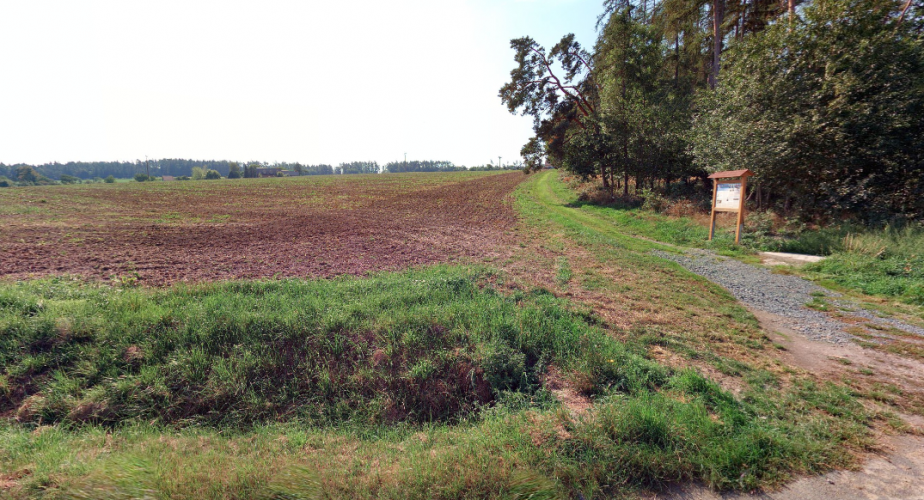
{"points": [[729, 190]]}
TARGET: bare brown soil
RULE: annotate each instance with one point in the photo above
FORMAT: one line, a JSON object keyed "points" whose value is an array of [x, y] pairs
{"points": [[892, 473], [213, 230], [893, 381]]}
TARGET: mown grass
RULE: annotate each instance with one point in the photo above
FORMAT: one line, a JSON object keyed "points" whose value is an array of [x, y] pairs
{"points": [[420, 384], [650, 225]]}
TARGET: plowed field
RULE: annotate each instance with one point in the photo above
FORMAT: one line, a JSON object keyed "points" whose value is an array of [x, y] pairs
{"points": [[165, 232]]}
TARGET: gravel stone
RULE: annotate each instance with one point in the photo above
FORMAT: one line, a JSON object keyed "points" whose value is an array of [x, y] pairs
{"points": [[779, 294]]}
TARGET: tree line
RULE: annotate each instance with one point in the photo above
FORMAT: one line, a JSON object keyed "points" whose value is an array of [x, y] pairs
{"points": [[119, 169], [76, 172], [421, 166], [822, 100]]}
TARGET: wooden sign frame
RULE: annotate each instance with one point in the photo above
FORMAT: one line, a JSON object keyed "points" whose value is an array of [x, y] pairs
{"points": [[730, 177]]}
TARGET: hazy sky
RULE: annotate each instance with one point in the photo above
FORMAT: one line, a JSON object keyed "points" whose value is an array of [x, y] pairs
{"points": [[309, 81]]}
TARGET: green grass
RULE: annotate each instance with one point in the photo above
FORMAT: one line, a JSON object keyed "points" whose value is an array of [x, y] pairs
{"points": [[886, 262], [366, 364], [415, 347], [640, 223]]}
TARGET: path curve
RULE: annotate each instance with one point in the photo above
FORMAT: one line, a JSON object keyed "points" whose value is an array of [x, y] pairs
{"points": [[814, 341]]}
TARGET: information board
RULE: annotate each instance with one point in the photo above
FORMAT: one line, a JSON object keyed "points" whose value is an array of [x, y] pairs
{"points": [[728, 196], [729, 190]]}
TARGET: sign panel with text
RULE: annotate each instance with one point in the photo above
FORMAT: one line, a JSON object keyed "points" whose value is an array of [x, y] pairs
{"points": [[729, 190], [728, 196]]}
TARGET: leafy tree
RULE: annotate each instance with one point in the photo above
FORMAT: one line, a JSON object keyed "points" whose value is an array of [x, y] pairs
{"points": [[142, 177], [166, 166], [28, 174], [198, 173], [5, 182], [556, 88], [616, 113], [533, 153], [109, 180], [318, 170], [69, 179], [828, 110], [234, 170], [635, 100], [212, 174], [250, 171]]}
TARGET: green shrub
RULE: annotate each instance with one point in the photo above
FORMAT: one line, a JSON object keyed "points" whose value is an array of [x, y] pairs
{"points": [[69, 179], [212, 174], [5, 182], [654, 200], [142, 177], [109, 180]]}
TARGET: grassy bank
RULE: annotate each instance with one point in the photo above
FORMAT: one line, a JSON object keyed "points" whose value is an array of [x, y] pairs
{"points": [[424, 346], [887, 262], [427, 383]]}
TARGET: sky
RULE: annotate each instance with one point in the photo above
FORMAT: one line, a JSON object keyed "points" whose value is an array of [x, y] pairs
{"points": [[269, 80]]}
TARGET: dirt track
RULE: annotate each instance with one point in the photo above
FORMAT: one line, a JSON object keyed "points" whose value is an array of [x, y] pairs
{"points": [[162, 234], [896, 470]]}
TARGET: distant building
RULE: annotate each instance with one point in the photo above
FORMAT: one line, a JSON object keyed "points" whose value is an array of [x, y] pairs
{"points": [[289, 173], [268, 171], [168, 177]]}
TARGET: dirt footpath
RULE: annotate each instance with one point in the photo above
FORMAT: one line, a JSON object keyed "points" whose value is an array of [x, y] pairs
{"points": [[895, 474], [824, 344]]}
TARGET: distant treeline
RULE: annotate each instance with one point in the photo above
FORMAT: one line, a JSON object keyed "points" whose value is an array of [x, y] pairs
{"points": [[25, 174], [321, 169], [358, 167], [119, 169], [421, 166]]}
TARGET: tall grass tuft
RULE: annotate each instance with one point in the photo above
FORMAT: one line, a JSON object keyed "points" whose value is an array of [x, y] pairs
{"points": [[887, 261], [421, 346]]}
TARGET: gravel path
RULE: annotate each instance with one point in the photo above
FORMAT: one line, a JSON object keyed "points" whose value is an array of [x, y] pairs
{"points": [[780, 294]]}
